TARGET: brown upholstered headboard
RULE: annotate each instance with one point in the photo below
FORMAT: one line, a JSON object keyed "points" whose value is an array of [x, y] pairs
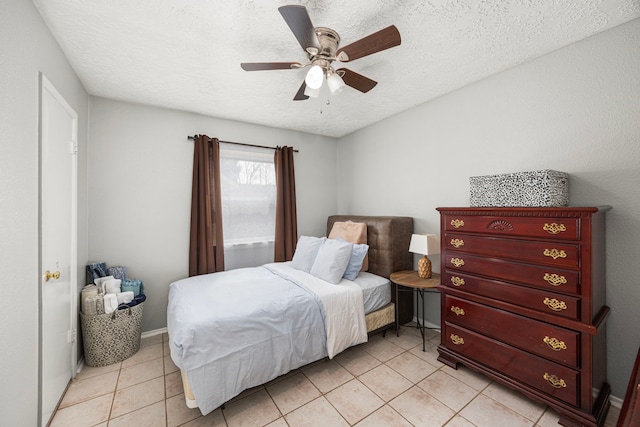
{"points": [[388, 238]]}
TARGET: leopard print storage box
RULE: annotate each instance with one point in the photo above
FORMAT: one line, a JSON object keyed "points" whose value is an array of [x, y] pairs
{"points": [[542, 188]]}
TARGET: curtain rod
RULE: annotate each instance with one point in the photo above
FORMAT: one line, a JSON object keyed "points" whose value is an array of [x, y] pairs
{"points": [[191, 138]]}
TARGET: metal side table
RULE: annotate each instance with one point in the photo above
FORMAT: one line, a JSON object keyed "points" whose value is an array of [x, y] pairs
{"points": [[409, 279]]}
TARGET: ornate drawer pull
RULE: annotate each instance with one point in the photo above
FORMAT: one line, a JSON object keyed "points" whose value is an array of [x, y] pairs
{"points": [[554, 279], [457, 243], [555, 344], [457, 310], [457, 223], [457, 340], [555, 253], [457, 281], [458, 262], [554, 228], [554, 381], [500, 225], [554, 304]]}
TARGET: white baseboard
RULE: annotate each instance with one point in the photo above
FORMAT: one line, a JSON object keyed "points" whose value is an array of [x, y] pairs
{"points": [[79, 366], [615, 402], [153, 333], [428, 324]]}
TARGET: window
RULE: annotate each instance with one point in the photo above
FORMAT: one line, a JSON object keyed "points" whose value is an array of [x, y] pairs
{"points": [[248, 185]]}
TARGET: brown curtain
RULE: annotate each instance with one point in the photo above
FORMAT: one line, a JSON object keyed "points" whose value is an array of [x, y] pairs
{"points": [[206, 247], [286, 217]]}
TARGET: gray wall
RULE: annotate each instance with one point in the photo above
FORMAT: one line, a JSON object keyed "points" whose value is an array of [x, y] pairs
{"points": [[140, 165], [27, 48], [575, 110]]}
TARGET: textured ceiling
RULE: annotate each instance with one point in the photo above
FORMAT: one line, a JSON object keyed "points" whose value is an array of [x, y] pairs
{"points": [[186, 54]]}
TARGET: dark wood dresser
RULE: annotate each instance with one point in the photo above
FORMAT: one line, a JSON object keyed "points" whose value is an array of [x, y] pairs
{"points": [[523, 302], [630, 412]]}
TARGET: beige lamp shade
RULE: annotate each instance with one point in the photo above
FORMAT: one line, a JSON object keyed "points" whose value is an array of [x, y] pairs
{"points": [[425, 244]]}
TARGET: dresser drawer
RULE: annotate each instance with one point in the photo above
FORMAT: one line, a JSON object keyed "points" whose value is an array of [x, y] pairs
{"points": [[514, 294], [543, 339], [553, 228], [544, 277], [551, 253], [552, 378]]}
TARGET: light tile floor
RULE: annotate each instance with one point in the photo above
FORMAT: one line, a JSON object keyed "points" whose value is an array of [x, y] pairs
{"points": [[388, 381]]}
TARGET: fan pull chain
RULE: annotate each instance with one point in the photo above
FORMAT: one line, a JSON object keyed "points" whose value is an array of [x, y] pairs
{"points": [[327, 102]]}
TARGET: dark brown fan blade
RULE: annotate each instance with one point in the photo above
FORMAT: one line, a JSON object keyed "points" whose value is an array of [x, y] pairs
{"points": [[381, 40], [356, 81], [298, 20], [260, 66], [300, 96]]}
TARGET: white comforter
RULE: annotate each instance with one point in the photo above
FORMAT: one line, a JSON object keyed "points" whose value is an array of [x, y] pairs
{"points": [[343, 307], [234, 330]]}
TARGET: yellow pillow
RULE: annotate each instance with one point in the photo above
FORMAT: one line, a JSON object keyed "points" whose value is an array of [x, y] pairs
{"points": [[353, 232]]}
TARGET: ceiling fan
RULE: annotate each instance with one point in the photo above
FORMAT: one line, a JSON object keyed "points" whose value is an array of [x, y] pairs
{"points": [[321, 46]]}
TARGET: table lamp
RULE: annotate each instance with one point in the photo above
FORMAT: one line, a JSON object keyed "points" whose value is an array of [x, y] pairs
{"points": [[425, 244]]}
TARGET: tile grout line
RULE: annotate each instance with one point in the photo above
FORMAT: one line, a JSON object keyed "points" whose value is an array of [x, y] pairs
{"points": [[274, 404], [413, 384], [113, 398], [133, 385], [323, 395], [282, 415], [164, 383]]}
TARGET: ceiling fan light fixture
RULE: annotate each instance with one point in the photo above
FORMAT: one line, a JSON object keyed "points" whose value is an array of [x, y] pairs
{"points": [[322, 47], [335, 83], [314, 78]]}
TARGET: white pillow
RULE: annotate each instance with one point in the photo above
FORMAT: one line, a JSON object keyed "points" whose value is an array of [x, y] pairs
{"points": [[306, 251], [332, 260]]}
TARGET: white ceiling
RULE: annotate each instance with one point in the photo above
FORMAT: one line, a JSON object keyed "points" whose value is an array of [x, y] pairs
{"points": [[186, 54]]}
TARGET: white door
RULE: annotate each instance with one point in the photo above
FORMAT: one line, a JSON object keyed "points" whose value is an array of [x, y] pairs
{"points": [[58, 246]]}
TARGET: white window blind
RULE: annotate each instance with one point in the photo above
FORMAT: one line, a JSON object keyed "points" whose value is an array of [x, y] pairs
{"points": [[248, 186]]}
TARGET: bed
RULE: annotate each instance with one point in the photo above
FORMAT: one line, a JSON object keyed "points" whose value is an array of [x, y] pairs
{"points": [[222, 325]]}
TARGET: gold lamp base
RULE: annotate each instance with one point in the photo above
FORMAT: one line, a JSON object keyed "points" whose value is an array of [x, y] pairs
{"points": [[424, 268]]}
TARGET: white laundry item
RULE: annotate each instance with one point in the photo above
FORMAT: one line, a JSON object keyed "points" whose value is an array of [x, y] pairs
{"points": [[125, 297], [99, 304], [89, 305], [100, 281], [110, 303], [88, 291], [112, 286]]}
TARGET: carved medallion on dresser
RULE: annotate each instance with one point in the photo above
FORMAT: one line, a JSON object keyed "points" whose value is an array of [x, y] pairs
{"points": [[523, 301]]}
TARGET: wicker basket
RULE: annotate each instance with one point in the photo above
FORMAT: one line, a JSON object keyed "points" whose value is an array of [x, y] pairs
{"points": [[111, 338]]}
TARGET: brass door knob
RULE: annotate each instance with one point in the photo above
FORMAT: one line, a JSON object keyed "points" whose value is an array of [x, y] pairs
{"points": [[49, 275]]}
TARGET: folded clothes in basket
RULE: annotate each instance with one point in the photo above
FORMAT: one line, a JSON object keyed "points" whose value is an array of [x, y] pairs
{"points": [[110, 303], [137, 300], [96, 270], [112, 286], [134, 285], [118, 272], [88, 292], [124, 297], [101, 282]]}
